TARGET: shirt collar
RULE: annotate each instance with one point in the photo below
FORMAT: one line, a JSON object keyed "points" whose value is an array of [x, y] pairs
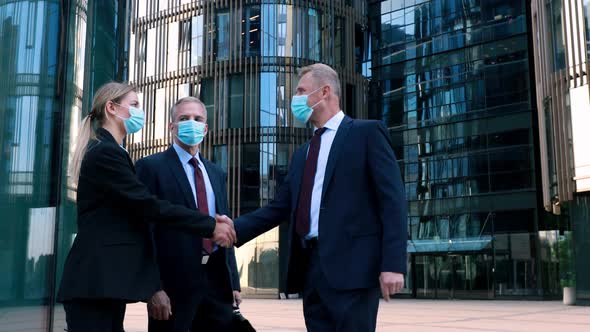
{"points": [[185, 156], [334, 121]]}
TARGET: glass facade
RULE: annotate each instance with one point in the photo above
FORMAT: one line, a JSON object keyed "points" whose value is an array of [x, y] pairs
{"points": [[56, 53], [451, 80], [241, 59], [30, 57]]}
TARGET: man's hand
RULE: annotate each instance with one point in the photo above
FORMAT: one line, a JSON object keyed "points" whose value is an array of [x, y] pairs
{"points": [[224, 219], [224, 234], [237, 298], [391, 283], [159, 307]]}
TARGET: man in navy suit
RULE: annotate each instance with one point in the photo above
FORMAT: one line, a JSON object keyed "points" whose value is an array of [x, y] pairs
{"points": [[200, 278], [345, 201]]}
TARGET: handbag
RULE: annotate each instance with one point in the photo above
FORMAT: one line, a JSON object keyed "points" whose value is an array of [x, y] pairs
{"points": [[240, 323]]}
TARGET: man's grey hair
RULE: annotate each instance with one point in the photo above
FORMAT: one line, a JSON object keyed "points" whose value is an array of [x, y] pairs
{"points": [[323, 74], [189, 99]]}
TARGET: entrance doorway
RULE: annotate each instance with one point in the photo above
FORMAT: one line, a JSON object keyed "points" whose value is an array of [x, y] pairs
{"points": [[450, 276]]}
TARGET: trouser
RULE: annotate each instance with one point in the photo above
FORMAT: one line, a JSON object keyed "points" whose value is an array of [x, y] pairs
{"points": [[208, 309], [327, 309], [95, 315]]}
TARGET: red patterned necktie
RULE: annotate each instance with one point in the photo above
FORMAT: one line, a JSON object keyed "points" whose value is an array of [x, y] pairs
{"points": [[302, 223], [201, 199]]}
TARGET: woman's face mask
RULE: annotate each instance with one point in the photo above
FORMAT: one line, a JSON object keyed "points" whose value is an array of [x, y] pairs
{"points": [[135, 121]]}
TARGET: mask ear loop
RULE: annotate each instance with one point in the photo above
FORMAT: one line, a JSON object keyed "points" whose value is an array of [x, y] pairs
{"points": [[117, 115], [314, 105]]}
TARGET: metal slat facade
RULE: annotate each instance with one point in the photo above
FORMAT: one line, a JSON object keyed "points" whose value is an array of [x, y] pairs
{"points": [[555, 80]]}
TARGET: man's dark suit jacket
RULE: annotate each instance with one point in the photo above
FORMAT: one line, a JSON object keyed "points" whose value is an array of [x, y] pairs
{"points": [[363, 211], [179, 254], [112, 255]]}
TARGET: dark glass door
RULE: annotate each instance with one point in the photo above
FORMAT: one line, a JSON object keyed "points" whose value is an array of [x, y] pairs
{"points": [[472, 276], [452, 276]]}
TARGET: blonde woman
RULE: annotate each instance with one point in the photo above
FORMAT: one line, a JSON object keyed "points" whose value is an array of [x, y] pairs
{"points": [[111, 262]]}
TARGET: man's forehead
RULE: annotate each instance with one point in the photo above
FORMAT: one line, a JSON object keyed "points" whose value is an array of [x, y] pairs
{"points": [[306, 78], [189, 110], [190, 107], [305, 81]]}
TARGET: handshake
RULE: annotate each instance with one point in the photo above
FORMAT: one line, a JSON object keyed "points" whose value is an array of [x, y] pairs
{"points": [[224, 234]]}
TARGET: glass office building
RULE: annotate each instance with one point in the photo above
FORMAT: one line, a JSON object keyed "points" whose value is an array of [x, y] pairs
{"points": [[53, 54], [240, 59], [452, 81]]}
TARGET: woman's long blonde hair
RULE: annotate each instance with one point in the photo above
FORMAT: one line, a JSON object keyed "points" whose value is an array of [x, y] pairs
{"points": [[112, 91]]}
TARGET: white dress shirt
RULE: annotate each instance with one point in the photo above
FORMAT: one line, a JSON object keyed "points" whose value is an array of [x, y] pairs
{"points": [[190, 174], [316, 196]]}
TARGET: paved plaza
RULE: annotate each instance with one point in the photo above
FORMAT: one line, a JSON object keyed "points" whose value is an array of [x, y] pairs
{"points": [[419, 315], [399, 316]]}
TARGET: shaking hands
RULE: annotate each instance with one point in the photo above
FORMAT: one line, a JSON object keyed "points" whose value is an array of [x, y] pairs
{"points": [[224, 234]]}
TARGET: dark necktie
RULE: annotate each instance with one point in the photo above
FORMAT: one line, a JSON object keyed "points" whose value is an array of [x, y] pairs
{"points": [[201, 198], [302, 223]]}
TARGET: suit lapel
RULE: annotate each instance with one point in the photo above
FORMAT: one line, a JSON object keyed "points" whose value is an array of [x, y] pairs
{"points": [[180, 175], [335, 150], [215, 182]]}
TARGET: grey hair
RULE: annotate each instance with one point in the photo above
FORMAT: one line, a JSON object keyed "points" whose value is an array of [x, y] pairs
{"points": [[323, 74], [189, 99]]}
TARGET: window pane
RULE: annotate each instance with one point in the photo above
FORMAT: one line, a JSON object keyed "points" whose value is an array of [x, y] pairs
{"points": [[184, 90], [277, 30], [314, 35], [184, 42], [236, 102], [285, 30], [159, 115], [197, 41], [223, 36], [251, 31], [150, 50], [268, 99], [207, 97], [173, 46], [220, 157], [339, 52], [250, 178], [141, 8]]}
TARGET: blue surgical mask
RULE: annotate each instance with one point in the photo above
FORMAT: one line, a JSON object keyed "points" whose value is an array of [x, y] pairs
{"points": [[299, 107], [135, 121], [191, 132]]}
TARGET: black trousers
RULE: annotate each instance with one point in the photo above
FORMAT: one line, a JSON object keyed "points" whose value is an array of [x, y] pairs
{"points": [[203, 314], [330, 310], [89, 315], [206, 310]]}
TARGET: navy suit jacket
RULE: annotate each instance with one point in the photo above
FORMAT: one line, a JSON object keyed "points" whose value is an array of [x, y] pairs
{"points": [[179, 254], [363, 211]]}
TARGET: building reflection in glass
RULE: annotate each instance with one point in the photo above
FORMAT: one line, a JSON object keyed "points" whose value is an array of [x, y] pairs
{"points": [[43, 60], [29, 66], [451, 81]]}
